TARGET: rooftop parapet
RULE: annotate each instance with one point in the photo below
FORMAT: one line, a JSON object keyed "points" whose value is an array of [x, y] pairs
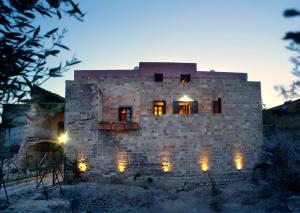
{"points": [[168, 69]]}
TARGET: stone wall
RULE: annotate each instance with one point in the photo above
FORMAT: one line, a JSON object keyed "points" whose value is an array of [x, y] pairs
{"points": [[13, 122], [184, 142], [82, 109], [40, 126]]}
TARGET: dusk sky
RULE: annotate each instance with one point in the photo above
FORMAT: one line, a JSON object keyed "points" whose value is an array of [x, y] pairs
{"points": [[229, 36]]}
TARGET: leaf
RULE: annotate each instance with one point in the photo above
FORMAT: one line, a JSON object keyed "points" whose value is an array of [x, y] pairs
{"points": [[291, 13], [52, 52], [28, 83], [48, 34], [75, 9], [294, 36], [40, 56], [42, 11], [62, 46], [36, 32], [12, 34], [33, 43], [58, 14], [54, 72], [25, 58], [30, 15], [71, 63]]}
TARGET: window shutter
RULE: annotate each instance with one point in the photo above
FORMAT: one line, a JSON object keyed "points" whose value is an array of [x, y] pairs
{"points": [[176, 107], [215, 107], [164, 108], [219, 105], [119, 113], [194, 107]]}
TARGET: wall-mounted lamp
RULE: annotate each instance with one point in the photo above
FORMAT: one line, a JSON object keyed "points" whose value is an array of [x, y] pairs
{"points": [[185, 98], [63, 138]]}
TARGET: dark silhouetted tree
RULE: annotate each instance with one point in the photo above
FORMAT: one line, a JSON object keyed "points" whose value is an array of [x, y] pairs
{"points": [[294, 45], [25, 50]]}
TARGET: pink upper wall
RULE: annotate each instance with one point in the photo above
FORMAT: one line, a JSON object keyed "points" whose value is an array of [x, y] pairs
{"points": [[169, 69]]}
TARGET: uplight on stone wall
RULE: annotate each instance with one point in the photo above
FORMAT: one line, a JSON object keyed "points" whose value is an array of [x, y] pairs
{"points": [[166, 166], [122, 161], [82, 166], [204, 162], [239, 160]]}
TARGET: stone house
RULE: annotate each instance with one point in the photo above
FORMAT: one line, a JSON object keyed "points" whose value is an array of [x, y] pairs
{"points": [[166, 121], [33, 126]]}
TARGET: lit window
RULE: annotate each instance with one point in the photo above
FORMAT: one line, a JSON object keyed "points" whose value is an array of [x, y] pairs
{"points": [[185, 107], [217, 106], [185, 78], [159, 107], [125, 114], [158, 77]]}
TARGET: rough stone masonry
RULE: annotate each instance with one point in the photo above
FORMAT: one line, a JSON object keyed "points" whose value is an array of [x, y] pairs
{"points": [[164, 121]]}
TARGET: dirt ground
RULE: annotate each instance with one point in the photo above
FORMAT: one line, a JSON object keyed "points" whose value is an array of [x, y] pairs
{"points": [[96, 197]]}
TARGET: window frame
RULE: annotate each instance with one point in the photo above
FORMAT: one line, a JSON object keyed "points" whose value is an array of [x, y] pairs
{"points": [[217, 106], [194, 107], [164, 107], [158, 77], [130, 108], [185, 78]]}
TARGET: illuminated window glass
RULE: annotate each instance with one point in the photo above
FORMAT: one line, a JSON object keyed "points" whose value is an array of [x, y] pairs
{"points": [[185, 78], [159, 107], [185, 107], [125, 114]]}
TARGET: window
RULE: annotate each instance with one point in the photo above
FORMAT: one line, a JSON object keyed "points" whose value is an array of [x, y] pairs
{"points": [[158, 77], [217, 106], [185, 78], [125, 114], [159, 107], [185, 107]]}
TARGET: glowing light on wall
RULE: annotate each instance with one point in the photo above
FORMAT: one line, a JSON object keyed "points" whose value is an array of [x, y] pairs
{"points": [[82, 165], [122, 166], [63, 138], [185, 98], [204, 162], [122, 161], [239, 161], [166, 166]]}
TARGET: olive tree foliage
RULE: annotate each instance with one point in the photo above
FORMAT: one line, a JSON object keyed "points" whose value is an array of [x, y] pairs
{"points": [[294, 38], [25, 50]]}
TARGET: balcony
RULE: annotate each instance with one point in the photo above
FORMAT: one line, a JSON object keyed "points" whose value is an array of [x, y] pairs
{"points": [[117, 126]]}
